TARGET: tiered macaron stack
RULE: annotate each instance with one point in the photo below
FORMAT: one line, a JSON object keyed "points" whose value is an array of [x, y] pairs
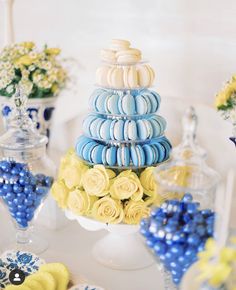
{"points": [[123, 128], [109, 176]]}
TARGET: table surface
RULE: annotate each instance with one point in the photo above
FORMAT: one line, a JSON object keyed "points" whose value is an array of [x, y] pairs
{"points": [[72, 245]]}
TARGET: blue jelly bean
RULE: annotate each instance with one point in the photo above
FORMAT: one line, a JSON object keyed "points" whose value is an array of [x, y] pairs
{"points": [[20, 214], [154, 226], [179, 236], [193, 239], [41, 190], [10, 196], [192, 208], [6, 176], [48, 181], [32, 196], [5, 166], [28, 202], [187, 197], [29, 216], [160, 248], [24, 173], [21, 208], [170, 228], [17, 188], [190, 251], [145, 232], [30, 209], [24, 180], [28, 189], [145, 223], [198, 218], [7, 188], [160, 234], [177, 249]]}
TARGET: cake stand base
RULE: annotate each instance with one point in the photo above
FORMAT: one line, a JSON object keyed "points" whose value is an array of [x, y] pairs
{"points": [[122, 252], [121, 249]]}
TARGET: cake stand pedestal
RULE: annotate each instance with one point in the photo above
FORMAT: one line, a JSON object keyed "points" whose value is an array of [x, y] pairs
{"points": [[121, 249]]}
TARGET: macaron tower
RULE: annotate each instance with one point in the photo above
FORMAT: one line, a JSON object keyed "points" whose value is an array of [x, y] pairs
{"points": [[108, 176], [123, 129]]}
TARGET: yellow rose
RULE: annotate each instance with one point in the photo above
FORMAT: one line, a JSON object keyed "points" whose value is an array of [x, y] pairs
{"points": [[24, 60], [108, 210], [126, 185], [96, 181], [148, 181], [135, 211], [60, 193], [79, 202], [53, 51], [72, 169]]}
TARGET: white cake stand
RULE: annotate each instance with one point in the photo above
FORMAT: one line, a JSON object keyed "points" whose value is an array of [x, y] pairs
{"points": [[122, 248]]}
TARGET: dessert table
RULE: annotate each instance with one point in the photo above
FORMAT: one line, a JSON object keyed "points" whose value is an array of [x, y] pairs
{"points": [[72, 246]]}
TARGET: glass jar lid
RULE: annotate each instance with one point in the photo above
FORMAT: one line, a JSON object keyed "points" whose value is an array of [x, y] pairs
{"points": [[21, 133]]}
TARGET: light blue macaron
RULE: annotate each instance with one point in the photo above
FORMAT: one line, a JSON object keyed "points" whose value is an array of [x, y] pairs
{"points": [[153, 101], [155, 126], [100, 103], [86, 123], [112, 104], [123, 156], [112, 129], [149, 104], [104, 155], [158, 98], [128, 104], [149, 154], [98, 129], [87, 150], [137, 155], [155, 153], [96, 154], [143, 129], [93, 127], [105, 130], [161, 151], [141, 105], [126, 130], [132, 130], [119, 130], [93, 98], [81, 142], [111, 155]]}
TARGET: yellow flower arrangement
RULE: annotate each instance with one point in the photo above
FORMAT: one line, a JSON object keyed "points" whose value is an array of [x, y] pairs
{"points": [[106, 195], [38, 71], [217, 265], [226, 98]]}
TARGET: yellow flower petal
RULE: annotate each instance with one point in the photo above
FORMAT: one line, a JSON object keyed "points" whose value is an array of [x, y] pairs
{"points": [[60, 193]]}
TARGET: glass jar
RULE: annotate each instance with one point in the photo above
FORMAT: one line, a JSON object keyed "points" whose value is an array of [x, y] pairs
{"points": [[26, 175]]}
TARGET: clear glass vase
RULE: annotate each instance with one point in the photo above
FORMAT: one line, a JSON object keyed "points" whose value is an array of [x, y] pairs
{"points": [[26, 176]]}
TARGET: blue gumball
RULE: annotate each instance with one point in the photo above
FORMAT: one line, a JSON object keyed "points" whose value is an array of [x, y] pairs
{"points": [[28, 202], [41, 190], [5, 166], [28, 189], [17, 188], [160, 248], [48, 180], [21, 208]]}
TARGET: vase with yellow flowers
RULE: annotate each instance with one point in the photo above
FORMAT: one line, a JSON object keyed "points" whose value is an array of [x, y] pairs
{"points": [[40, 73], [226, 103]]}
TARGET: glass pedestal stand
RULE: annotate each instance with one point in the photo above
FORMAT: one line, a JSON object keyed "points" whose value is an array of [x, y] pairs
{"points": [[121, 249]]}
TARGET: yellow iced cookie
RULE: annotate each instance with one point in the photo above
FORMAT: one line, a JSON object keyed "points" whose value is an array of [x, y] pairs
{"points": [[59, 272], [18, 287], [45, 279], [33, 284]]}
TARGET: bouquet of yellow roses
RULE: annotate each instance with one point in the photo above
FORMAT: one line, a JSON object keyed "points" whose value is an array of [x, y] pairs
{"points": [[226, 103], [103, 194], [39, 72]]}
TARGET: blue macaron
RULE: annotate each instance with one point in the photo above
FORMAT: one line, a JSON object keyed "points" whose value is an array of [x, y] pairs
{"points": [[93, 98], [149, 154], [137, 155], [111, 156], [105, 130], [119, 130], [132, 130], [112, 104], [96, 154], [112, 129], [128, 104], [141, 105], [123, 156], [101, 101], [81, 142]]}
